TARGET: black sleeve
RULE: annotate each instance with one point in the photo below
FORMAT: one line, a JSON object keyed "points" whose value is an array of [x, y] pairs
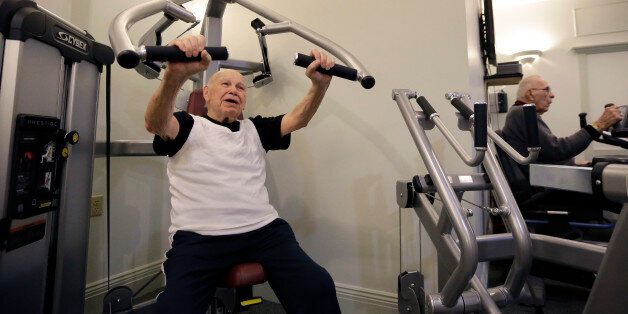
{"points": [[170, 148], [269, 130], [592, 131]]}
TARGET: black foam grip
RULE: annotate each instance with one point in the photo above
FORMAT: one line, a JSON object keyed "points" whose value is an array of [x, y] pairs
{"points": [[464, 110], [583, 119], [173, 53], [532, 125], [425, 106], [257, 24], [337, 70], [480, 123]]}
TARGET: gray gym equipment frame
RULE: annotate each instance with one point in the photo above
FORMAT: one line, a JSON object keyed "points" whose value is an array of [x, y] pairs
{"points": [[42, 75], [459, 254], [212, 29]]}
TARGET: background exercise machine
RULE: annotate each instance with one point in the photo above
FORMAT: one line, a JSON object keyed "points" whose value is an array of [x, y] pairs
{"points": [[459, 289]]}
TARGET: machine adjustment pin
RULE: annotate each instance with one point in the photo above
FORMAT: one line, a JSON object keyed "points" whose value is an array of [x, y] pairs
{"points": [[72, 137]]}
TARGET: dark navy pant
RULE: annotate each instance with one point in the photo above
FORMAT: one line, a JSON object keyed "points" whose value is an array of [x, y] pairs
{"points": [[195, 263]]}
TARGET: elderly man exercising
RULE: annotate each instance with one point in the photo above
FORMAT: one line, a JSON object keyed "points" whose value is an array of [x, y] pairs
{"points": [[554, 150], [221, 213]]}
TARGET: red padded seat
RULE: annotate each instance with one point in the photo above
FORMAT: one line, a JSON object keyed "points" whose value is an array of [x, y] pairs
{"points": [[243, 275]]}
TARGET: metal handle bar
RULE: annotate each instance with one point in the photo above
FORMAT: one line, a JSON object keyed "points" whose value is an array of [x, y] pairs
{"points": [[337, 70], [286, 25], [478, 154], [122, 44], [118, 36], [533, 152], [478, 115], [531, 126]]}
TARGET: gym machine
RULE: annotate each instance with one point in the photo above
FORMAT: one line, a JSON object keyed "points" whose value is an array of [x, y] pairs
{"points": [[460, 290], [50, 74], [148, 57], [141, 56]]}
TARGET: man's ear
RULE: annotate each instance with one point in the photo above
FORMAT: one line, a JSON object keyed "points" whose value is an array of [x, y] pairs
{"points": [[206, 93], [529, 95]]}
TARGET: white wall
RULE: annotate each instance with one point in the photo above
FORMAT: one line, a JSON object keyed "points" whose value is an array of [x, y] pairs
{"points": [[551, 27], [336, 183]]}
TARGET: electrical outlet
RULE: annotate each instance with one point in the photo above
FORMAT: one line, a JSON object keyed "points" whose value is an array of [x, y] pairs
{"points": [[96, 205]]}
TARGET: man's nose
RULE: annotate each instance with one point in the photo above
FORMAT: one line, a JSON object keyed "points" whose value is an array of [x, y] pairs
{"points": [[551, 95]]}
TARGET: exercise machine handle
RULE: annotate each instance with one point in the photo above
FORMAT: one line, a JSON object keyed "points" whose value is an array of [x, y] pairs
{"points": [[130, 59], [173, 53], [464, 110], [480, 146], [583, 119], [532, 125], [480, 123], [426, 107], [337, 70]]}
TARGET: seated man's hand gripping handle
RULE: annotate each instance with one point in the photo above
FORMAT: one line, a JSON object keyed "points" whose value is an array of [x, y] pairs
{"points": [[337, 70], [532, 125]]}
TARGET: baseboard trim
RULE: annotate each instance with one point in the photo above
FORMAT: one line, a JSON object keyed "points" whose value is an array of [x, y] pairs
{"points": [[367, 296], [347, 292], [126, 278]]}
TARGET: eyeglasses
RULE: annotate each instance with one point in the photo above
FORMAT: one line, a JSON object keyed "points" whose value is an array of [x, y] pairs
{"points": [[547, 89]]}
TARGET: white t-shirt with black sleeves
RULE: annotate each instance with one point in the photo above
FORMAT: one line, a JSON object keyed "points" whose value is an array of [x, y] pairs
{"points": [[217, 173]]}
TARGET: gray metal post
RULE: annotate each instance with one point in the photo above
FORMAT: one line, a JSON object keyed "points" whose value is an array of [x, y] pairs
{"points": [[468, 261]]}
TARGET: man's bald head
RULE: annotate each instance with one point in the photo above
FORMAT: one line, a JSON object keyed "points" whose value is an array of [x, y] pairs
{"points": [[224, 72], [526, 84], [534, 89]]}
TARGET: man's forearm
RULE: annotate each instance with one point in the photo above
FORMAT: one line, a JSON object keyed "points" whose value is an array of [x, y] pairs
{"points": [[303, 112], [161, 105]]}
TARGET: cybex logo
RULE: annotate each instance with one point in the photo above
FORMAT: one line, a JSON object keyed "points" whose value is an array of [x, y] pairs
{"points": [[72, 40]]}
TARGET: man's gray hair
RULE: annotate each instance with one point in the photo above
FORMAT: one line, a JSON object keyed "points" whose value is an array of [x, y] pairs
{"points": [[525, 85]]}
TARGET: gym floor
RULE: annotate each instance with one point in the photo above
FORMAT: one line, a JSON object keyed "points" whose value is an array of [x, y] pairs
{"points": [[560, 299]]}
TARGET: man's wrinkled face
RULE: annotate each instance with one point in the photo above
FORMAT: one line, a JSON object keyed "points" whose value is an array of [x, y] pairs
{"points": [[225, 95], [541, 95]]}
